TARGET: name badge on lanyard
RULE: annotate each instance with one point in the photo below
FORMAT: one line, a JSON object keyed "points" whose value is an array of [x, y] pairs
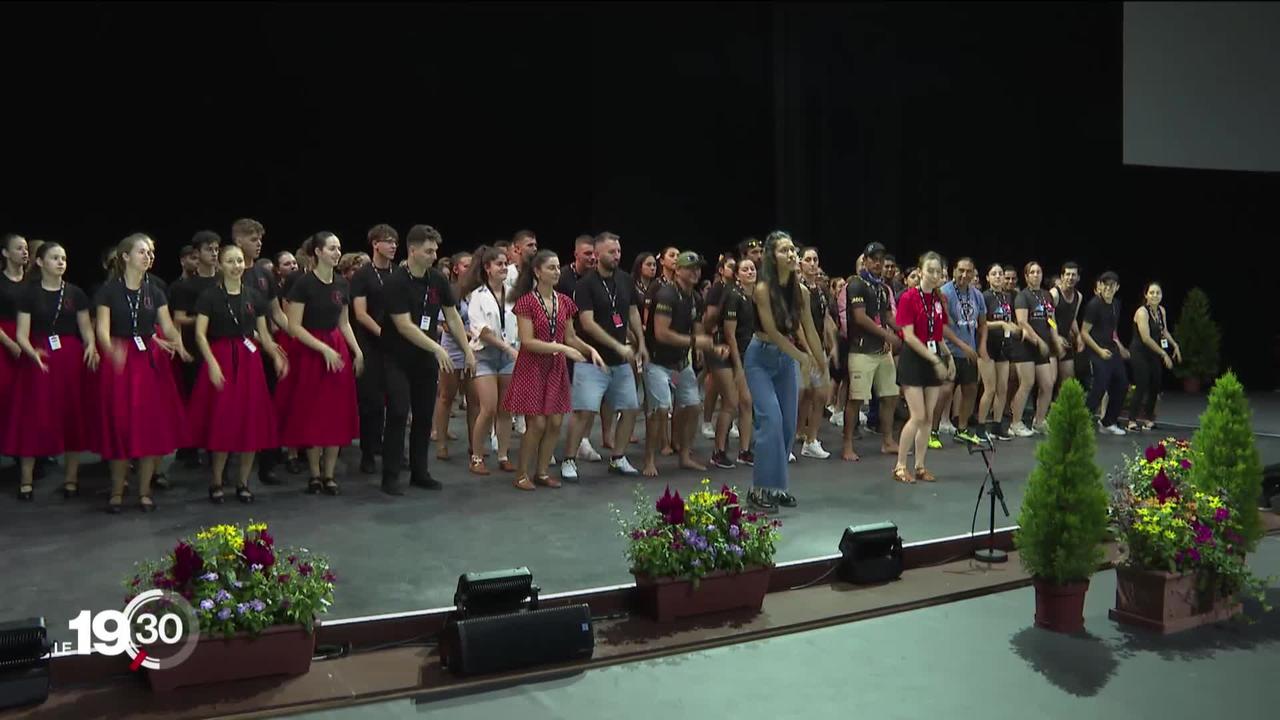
{"points": [[426, 323], [617, 320], [1164, 344], [55, 342], [142, 344], [250, 346], [933, 346]]}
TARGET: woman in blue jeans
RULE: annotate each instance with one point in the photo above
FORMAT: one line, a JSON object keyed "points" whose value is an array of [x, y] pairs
{"points": [[784, 332]]}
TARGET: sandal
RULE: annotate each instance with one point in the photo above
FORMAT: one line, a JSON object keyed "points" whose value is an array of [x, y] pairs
{"points": [[70, 490], [314, 486], [1133, 426], [925, 475], [26, 493], [331, 486], [506, 465], [442, 453], [243, 494], [547, 481], [522, 483], [478, 466], [215, 494], [900, 474], [161, 481], [1148, 425], [115, 504], [146, 503]]}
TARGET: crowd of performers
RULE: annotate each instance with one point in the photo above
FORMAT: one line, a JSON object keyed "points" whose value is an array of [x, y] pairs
{"points": [[287, 360]]}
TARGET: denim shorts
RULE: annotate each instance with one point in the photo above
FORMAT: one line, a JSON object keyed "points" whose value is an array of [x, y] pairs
{"points": [[493, 361], [614, 386], [658, 381]]}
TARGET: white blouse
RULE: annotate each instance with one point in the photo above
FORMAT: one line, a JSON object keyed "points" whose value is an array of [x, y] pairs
{"points": [[483, 312]]}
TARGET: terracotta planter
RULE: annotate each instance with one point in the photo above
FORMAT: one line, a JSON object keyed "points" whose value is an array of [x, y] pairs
{"points": [[1060, 608], [1167, 602], [1191, 386], [665, 599], [279, 650]]}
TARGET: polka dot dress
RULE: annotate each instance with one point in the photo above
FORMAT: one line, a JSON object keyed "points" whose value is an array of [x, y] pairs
{"points": [[540, 383]]}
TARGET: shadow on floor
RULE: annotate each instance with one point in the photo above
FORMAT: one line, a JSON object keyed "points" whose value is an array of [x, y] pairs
{"points": [[1080, 664]]}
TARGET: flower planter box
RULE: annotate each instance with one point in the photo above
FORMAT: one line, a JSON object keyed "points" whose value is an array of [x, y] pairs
{"points": [[1167, 602], [279, 650], [666, 599]]}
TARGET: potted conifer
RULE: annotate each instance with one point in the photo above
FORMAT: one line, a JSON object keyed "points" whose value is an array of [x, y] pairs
{"points": [[1064, 514], [1198, 336], [1229, 462]]}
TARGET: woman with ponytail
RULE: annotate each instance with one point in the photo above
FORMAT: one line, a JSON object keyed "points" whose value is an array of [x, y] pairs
{"points": [[495, 339], [15, 268], [316, 403], [230, 408], [140, 416], [47, 416]]}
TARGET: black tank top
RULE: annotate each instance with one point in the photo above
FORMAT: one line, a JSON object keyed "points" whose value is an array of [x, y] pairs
{"points": [[1155, 327], [1065, 312], [787, 317]]}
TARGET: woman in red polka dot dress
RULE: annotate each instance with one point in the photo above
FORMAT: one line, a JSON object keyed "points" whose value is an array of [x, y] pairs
{"points": [[540, 381]]}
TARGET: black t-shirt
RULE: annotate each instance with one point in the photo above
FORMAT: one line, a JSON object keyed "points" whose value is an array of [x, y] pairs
{"points": [[818, 309], [184, 293], [53, 312], [1038, 305], [609, 300], [133, 312], [231, 316], [874, 299], [682, 308], [740, 306], [1103, 319], [419, 297], [370, 283], [261, 281], [569, 278], [9, 292], [324, 302], [999, 308]]}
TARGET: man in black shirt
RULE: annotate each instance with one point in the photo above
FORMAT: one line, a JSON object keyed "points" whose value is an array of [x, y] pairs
{"points": [[182, 302], [367, 287], [1106, 353], [584, 261], [671, 337], [608, 317], [414, 296], [873, 338]]}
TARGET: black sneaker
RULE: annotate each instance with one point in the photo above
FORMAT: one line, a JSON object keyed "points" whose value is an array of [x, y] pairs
{"points": [[759, 499], [426, 483], [785, 499], [746, 457], [392, 487], [721, 460], [999, 431]]}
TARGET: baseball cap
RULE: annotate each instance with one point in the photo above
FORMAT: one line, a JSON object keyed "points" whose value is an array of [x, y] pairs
{"points": [[689, 258], [874, 249]]}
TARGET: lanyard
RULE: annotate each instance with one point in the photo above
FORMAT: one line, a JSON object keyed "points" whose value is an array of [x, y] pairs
{"points": [[1158, 317], [613, 294], [551, 312], [378, 274], [235, 317], [133, 304], [57, 312], [502, 307], [928, 311]]}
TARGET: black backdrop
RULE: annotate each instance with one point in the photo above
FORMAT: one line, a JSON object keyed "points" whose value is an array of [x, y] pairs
{"points": [[985, 129]]}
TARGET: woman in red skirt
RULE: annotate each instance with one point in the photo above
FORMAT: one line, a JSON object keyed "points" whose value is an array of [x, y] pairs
{"points": [[46, 417], [139, 414], [316, 403], [230, 408], [540, 386], [15, 265]]}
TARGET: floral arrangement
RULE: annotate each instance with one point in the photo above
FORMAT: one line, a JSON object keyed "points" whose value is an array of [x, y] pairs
{"points": [[691, 537], [238, 580], [1166, 524]]}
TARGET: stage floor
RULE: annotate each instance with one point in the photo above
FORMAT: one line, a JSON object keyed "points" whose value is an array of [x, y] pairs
{"points": [[401, 554]]}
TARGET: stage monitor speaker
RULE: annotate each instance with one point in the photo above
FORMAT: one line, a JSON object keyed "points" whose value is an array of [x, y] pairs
{"points": [[870, 553], [496, 643], [24, 663], [496, 592]]}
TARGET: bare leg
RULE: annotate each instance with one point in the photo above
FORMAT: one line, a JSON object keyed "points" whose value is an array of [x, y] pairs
{"points": [[987, 371], [578, 426], [548, 444], [851, 407], [1045, 375], [722, 380], [313, 461], [331, 461], [888, 406], [245, 468], [486, 402], [531, 444], [118, 470], [689, 425], [146, 471], [503, 423], [72, 478], [916, 430], [922, 438], [968, 398], [626, 425], [28, 470], [746, 416], [1026, 372], [608, 418], [653, 440], [219, 465]]}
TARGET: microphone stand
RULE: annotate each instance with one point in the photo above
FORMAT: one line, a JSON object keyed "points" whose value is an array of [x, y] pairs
{"points": [[990, 554]]}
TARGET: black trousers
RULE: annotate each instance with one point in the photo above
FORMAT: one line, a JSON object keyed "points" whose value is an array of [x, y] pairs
{"points": [[1147, 377], [269, 459], [1109, 377], [411, 385], [371, 396]]}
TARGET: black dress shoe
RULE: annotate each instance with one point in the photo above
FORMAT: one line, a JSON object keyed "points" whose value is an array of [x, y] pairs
{"points": [[368, 465], [295, 466], [392, 487], [426, 483], [27, 495], [269, 477]]}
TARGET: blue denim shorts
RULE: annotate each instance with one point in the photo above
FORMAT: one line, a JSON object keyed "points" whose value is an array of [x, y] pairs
{"points": [[492, 361], [615, 386], [658, 381]]}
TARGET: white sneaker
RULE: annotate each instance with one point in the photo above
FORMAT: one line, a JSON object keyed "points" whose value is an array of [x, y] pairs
{"points": [[791, 457], [586, 452], [946, 428], [568, 469], [862, 418], [708, 431], [733, 429], [837, 419], [1020, 430], [1040, 428], [493, 441], [1114, 430], [622, 466], [518, 424], [814, 449]]}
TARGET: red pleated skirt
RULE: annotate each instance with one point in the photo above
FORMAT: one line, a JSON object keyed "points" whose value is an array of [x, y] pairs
{"points": [[174, 367], [240, 417], [139, 412], [8, 363], [315, 407], [46, 413]]}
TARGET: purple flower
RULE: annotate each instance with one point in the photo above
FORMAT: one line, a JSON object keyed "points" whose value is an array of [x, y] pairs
{"points": [[636, 534], [224, 613], [304, 569], [1155, 452], [1185, 463], [1163, 487], [206, 604], [735, 550], [258, 605], [258, 553], [186, 563], [242, 608], [1194, 554], [1222, 514], [222, 596], [734, 532], [695, 562], [1204, 533], [209, 577], [329, 577]]}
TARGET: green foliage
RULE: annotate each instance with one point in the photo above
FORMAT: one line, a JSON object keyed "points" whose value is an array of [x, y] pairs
{"points": [[1199, 338], [1229, 461], [1064, 512], [237, 580]]}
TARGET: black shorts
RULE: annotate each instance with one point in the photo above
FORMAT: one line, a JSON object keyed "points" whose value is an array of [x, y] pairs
{"points": [[997, 350], [915, 371], [1021, 351], [966, 370]]}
